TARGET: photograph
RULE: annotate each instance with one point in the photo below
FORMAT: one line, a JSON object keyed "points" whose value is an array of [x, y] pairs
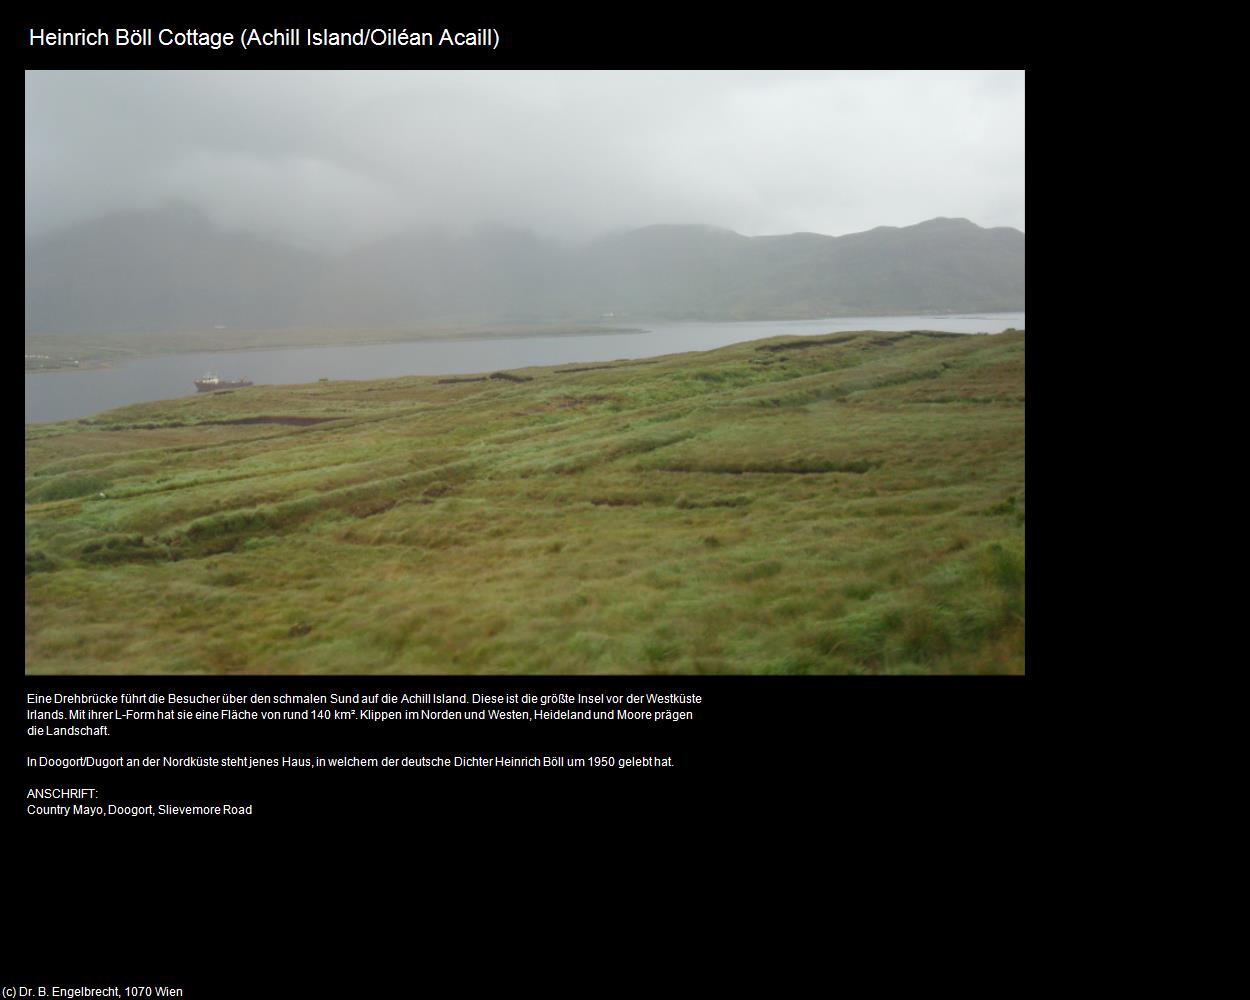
{"points": [[524, 372]]}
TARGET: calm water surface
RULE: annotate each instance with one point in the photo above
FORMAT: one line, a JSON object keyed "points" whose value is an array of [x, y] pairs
{"points": [[67, 395]]}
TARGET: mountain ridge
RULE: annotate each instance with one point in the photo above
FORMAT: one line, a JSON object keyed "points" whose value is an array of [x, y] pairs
{"points": [[170, 269]]}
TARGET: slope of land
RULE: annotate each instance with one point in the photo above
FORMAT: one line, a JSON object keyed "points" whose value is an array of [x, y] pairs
{"points": [[849, 503], [172, 272]]}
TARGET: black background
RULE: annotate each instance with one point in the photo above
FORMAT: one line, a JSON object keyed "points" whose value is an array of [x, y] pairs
{"points": [[772, 770]]}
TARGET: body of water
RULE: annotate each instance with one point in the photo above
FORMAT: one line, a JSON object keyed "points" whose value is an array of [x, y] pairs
{"points": [[68, 395]]}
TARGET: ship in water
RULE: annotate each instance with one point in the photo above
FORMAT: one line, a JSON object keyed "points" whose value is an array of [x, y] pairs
{"points": [[211, 382]]}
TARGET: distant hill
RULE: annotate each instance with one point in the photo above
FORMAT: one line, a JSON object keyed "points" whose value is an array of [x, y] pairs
{"points": [[171, 270]]}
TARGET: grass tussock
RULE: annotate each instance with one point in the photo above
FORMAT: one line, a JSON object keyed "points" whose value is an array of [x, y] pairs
{"points": [[842, 504]]}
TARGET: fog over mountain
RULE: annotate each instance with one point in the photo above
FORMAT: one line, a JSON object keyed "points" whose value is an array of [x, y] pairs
{"points": [[176, 200], [171, 270], [334, 160]]}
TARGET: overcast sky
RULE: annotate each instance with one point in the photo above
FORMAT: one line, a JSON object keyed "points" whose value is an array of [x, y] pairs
{"points": [[334, 159]]}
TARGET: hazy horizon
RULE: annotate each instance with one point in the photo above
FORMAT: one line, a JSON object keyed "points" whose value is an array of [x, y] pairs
{"points": [[331, 161], [485, 226]]}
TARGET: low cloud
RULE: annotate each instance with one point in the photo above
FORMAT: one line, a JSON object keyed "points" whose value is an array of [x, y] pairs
{"points": [[331, 160]]}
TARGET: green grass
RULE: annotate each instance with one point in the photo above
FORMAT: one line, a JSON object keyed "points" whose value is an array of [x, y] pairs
{"points": [[849, 504]]}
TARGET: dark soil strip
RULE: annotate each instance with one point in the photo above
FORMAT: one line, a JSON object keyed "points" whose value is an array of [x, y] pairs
{"points": [[880, 341], [798, 345], [603, 368], [456, 381], [288, 421], [858, 468]]}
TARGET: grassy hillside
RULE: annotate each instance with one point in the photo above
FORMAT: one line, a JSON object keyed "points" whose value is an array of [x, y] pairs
{"points": [[852, 503]]}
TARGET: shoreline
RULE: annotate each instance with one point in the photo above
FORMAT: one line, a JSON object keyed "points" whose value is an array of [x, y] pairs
{"points": [[558, 367], [86, 366], [304, 344], [301, 364], [300, 342]]}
